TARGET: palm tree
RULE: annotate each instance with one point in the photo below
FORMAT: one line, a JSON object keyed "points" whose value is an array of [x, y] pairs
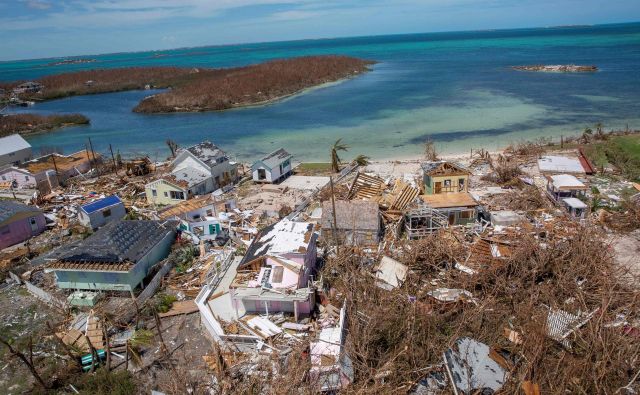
{"points": [[335, 159], [586, 135], [362, 160], [173, 146]]}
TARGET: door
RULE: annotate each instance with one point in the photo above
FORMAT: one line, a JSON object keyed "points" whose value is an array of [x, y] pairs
{"points": [[438, 187], [262, 174], [34, 225], [452, 218]]}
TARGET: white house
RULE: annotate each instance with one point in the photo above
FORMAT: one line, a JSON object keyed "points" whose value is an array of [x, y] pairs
{"points": [[273, 168], [205, 167], [14, 150], [101, 211]]}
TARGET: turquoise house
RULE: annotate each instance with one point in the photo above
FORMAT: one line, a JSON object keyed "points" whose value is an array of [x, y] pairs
{"points": [[116, 258]]}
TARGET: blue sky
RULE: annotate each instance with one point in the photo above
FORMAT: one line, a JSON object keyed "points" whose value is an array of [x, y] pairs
{"points": [[48, 28]]}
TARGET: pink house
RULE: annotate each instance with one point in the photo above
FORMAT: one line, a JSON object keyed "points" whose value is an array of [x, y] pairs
{"points": [[276, 274], [19, 178], [19, 222]]}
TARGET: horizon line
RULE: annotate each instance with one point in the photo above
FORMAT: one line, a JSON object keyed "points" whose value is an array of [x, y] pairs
{"points": [[565, 26]]}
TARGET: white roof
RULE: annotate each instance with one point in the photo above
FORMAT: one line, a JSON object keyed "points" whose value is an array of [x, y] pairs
{"points": [[566, 181], [574, 203], [560, 164], [12, 143], [391, 272], [285, 236]]}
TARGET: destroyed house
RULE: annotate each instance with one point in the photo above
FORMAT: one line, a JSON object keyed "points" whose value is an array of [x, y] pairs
{"points": [[205, 167], [28, 87], [49, 171], [273, 168], [19, 222], [458, 208], [277, 271], [99, 212], [445, 177], [357, 222], [14, 150], [566, 190], [196, 216], [117, 257]]}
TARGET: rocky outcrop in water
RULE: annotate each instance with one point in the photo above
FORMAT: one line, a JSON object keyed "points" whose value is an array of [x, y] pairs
{"points": [[558, 68]]}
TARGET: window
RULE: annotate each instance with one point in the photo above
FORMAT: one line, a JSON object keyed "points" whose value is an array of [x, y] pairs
{"points": [[467, 214], [106, 213], [447, 183], [262, 174], [177, 195], [461, 184], [166, 194], [154, 193], [26, 178]]}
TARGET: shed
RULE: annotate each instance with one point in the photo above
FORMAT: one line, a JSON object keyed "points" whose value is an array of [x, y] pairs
{"points": [[562, 186], [576, 207], [101, 211], [273, 168], [358, 221]]}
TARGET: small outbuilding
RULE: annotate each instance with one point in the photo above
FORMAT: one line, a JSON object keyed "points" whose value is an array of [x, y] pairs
{"points": [[101, 211], [273, 168], [357, 222], [19, 222]]}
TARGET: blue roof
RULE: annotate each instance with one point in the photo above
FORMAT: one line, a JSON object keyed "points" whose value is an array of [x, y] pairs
{"points": [[100, 204]]}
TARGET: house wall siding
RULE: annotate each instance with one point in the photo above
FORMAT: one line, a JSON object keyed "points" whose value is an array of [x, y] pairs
{"points": [[20, 230], [97, 218], [430, 184], [16, 157], [161, 187], [23, 180]]}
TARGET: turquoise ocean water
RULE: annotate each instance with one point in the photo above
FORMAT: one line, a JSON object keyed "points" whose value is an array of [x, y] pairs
{"points": [[456, 88]]}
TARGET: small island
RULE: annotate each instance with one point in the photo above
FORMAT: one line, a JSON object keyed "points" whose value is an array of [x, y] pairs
{"points": [[70, 61], [199, 89], [558, 68], [27, 124]]}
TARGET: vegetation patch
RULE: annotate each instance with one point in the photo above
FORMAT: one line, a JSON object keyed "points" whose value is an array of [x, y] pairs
{"points": [[33, 123]]}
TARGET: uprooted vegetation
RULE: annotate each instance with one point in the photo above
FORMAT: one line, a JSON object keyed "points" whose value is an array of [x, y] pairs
{"points": [[395, 338], [35, 123], [200, 89], [223, 89]]}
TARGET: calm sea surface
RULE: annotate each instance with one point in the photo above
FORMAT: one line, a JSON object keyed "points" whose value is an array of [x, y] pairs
{"points": [[456, 88]]}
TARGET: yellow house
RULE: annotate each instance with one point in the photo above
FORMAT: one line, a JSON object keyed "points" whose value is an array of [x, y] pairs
{"points": [[445, 177], [165, 192]]}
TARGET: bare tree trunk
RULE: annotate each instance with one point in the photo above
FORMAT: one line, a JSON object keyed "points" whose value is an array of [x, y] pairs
{"points": [[26, 361]]}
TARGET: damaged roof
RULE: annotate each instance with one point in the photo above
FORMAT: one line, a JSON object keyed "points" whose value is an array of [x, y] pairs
{"points": [[474, 366], [281, 238], [566, 181], [351, 215], [207, 152], [274, 159], [445, 200], [118, 242], [190, 176], [443, 167], [185, 206], [560, 164]]}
